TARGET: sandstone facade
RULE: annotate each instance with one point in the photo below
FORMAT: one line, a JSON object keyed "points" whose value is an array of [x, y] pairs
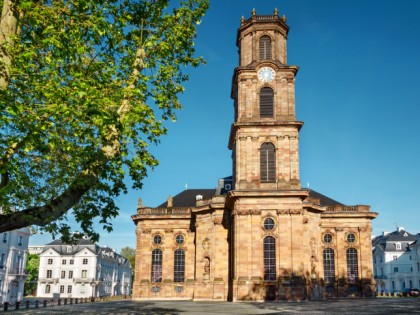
{"points": [[262, 237]]}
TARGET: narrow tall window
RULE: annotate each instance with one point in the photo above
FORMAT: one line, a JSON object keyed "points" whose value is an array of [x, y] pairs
{"points": [[265, 47], [352, 265], [84, 273], [179, 265], [49, 274], [269, 258], [267, 163], [266, 102], [47, 288], [329, 266], [156, 275]]}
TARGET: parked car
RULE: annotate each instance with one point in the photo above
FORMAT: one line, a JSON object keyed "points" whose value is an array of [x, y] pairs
{"points": [[414, 292]]}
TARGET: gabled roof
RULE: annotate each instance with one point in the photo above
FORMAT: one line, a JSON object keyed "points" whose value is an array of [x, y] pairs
{"points": [[187, 197]]}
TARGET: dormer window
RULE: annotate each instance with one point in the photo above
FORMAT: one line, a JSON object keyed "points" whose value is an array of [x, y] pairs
{"points": [[398, 246], [265, 48]]}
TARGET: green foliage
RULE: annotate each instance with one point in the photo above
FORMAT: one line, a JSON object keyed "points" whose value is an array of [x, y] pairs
{"points": [[130, 254], [91, 83], [32, 267]]}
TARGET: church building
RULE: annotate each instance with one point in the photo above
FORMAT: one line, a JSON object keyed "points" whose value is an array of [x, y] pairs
{"points": [[259, 235]]}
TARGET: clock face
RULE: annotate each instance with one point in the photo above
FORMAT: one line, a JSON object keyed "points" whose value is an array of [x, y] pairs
{"points": [[266, 74]]}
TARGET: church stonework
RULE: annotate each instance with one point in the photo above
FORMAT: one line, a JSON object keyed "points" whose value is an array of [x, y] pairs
{"points": [[258, 236]]}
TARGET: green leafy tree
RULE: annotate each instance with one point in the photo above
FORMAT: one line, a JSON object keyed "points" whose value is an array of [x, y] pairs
{"points": [[130, 254], [85, 88], [32, 267]]}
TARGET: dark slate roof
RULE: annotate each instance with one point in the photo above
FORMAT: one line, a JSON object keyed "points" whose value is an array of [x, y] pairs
{"points": [[81, 244], [387, 242], [324, 200], [187, 197]]}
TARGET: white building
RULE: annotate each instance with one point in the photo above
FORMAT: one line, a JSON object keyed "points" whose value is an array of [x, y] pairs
{"points": [[396, 261], [13, 252], [82, 270]]}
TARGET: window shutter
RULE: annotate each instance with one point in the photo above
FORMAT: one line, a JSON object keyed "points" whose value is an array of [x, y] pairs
{"points": [[265, 47], [266, 102], [267, 163]]}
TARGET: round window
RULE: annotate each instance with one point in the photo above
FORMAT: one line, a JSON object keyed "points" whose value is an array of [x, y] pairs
{"points": [[351, 238], [327, 238], [179, 239], [269, 224], [157, 239]]}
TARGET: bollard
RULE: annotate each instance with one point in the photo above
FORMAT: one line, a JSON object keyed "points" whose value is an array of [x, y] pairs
{"points": [[36, 304], [6, 306], [27, 304], [17, 305]]}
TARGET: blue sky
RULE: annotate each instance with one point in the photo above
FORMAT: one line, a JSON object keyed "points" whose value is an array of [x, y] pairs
{"points": [[357, 92]]}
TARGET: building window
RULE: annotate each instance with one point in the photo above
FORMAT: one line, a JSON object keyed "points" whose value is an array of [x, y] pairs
{"points": [[85, 261], [418, 267], [64, 261], [47, 288], [157, 239], [5, 238], [179, 239], [69, 288], [395, 269], [411, 284], [327, 238], [269, 258], [84, 273], [71, 261], [50, 261], [49, 274], [269, 224], [352, 265], [2, 261], [83, 289], [411, 258], [267, 163], [70, 274], [20, 240], [329, 265], [156, 275], [63, 274], [179, 265], [266, 102], [398, 246], [265, 47], [395, 257], [61, 288], [351, 238]]}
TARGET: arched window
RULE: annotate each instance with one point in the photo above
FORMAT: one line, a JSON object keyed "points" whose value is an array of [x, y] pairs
{"points": [[156, 275], [179, 265], [269, 258], [352, 265], [267, 163], [266, 102], [329, 266], [265, 47]]}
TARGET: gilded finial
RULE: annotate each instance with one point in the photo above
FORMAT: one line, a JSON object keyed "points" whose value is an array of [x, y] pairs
{"points": [[276, 12], [284, 19], [254, 12]]}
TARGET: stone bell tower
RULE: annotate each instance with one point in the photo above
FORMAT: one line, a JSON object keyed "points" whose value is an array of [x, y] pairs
{"points": [[266, 203], [264, 136]]}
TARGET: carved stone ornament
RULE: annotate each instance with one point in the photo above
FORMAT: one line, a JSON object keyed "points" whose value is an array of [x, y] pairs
{"points": [[206, 244], [338, 229]]}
